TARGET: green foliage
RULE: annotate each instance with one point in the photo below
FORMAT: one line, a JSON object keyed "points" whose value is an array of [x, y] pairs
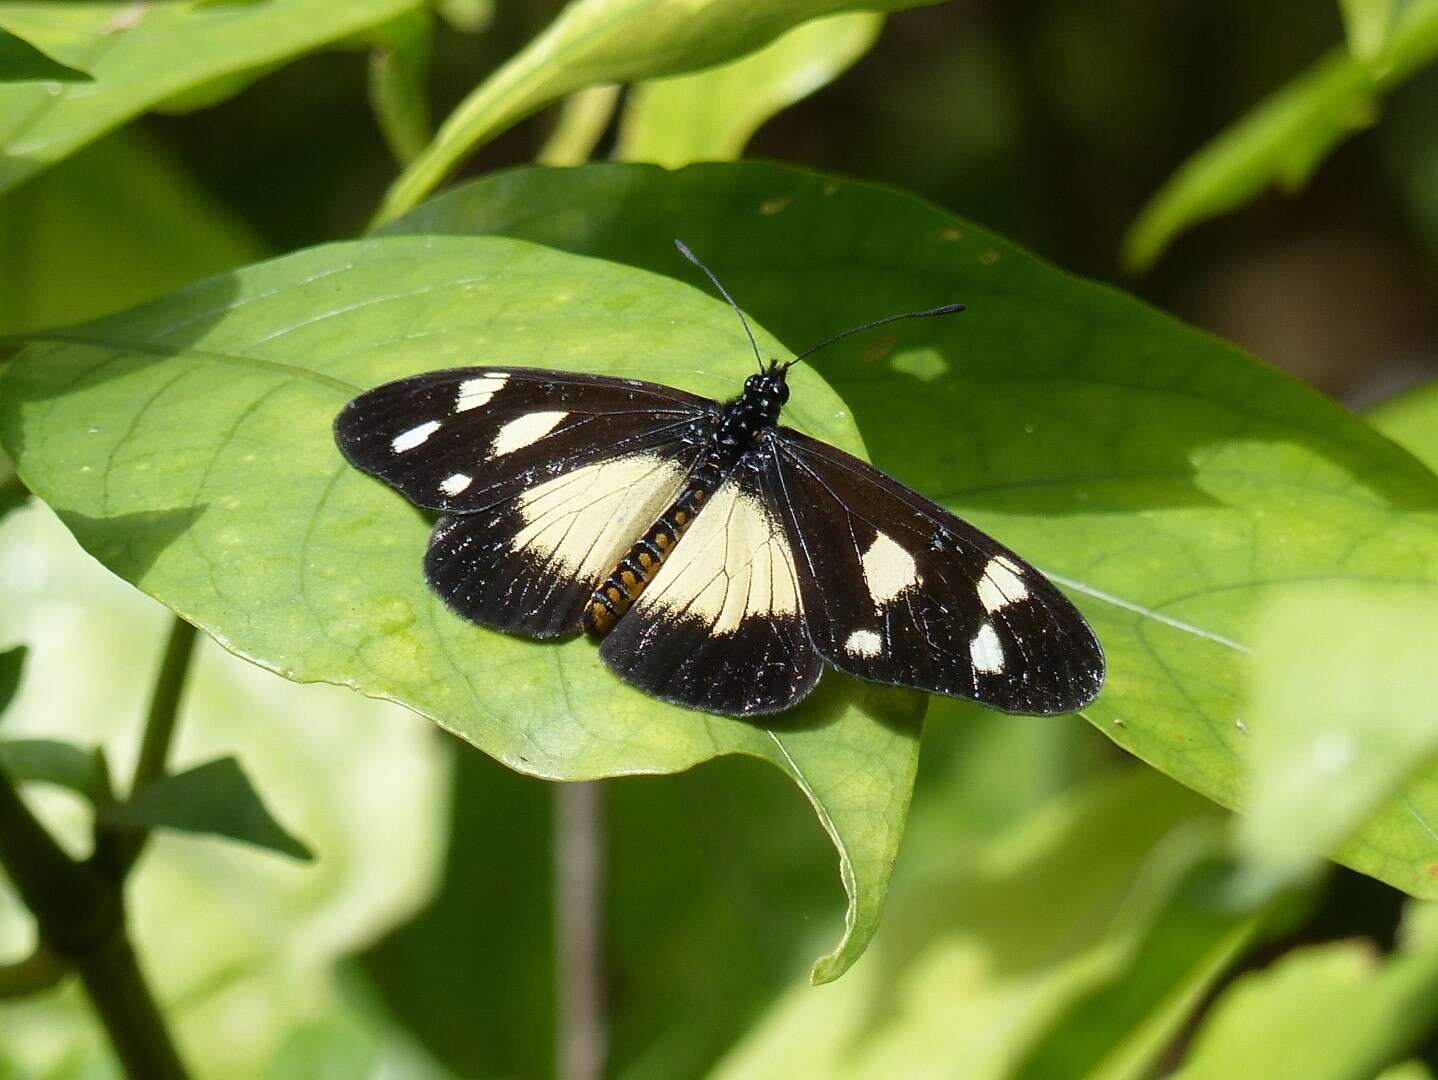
{"points": [[976, 963], [1285, 138], [117, 223], [12, 661], [1342, 720], [160, 433], [1162, 477], [215, 798], [22, 62], [1368, 23], [145, 56], [710, 115], [49, 761], [1332, 1012], [605, 41]]}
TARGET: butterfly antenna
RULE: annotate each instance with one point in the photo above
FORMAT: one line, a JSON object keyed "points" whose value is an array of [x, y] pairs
{"points": [[947, 309], [684, 250]]}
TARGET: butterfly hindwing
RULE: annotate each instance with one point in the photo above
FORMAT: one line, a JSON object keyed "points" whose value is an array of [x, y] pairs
{"points": [[546, 478], [898, 590], [721, 626], [527, 565], [465, 439]]}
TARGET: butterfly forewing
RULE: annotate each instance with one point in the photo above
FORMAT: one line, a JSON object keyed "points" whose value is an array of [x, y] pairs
{"points": [[898, 590], [721, 626], [465, 439]]}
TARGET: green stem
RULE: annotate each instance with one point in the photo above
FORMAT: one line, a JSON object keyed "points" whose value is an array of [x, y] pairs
{"points": [[126, 1008], [164, 706], [81, 919], [117, 849]]}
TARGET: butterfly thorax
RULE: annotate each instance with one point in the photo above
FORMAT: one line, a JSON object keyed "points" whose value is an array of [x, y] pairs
{"points": [[740, 425]]}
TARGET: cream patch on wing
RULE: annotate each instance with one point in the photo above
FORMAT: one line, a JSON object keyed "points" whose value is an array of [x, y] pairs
{"points": [[1000, 585], [455, 483], [733, 563], [525, 430], [408, 440], [888, 569], [476, 392], [864, 643], [587, 519], [986, 651]]}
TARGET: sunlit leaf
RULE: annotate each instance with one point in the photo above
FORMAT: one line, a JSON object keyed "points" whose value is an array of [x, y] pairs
{"points": [[22, 62], [1411, 420], [216, 799], [1169, 481], [143, 54], [1329, 1012], [159, 436], [710, 115], [606, 41], [1367, 23], [1283, 140]]}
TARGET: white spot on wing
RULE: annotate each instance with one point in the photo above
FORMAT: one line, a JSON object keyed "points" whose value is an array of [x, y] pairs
{"points": [[476, 392], [888, 569], [525, 430], [733, 563], [986, 652], [587, 519], [864, 643], [414, 436], [455, 484], [1000, 585]]}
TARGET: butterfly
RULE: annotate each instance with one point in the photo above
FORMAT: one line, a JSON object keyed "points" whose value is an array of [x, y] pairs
{"points": [[720, 559]]}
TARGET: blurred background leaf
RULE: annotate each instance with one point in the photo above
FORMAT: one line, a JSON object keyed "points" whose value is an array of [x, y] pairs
{"points": [[22, 62], [1287, 137], [1340, 723], [119, 222], [215, 798], [143, 55], [1334, 1012], [594, 42], [710, 115]]}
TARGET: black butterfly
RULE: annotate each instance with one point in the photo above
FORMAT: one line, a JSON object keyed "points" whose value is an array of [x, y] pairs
{"points": [[565, 498]]}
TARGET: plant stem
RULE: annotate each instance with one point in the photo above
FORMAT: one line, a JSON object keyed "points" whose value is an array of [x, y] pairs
{"points": [[81, 918], [123, 1001], [116, 850], [164, 706], [582, 1038]]}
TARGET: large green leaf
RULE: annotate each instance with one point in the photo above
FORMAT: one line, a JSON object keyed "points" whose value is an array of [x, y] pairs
{"points": [[606, 41], [710, 115], [1284, 139], [187, 445], [141, 55], [1169, 481]]}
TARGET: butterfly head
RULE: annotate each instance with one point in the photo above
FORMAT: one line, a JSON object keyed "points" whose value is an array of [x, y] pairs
{"points": [[769, 388]]}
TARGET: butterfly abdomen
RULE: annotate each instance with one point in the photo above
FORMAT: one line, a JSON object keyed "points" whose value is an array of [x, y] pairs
{"points": [[621, 588]]}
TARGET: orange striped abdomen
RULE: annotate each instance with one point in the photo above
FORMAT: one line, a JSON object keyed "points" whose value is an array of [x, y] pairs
{"points": [[622, 587]]}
